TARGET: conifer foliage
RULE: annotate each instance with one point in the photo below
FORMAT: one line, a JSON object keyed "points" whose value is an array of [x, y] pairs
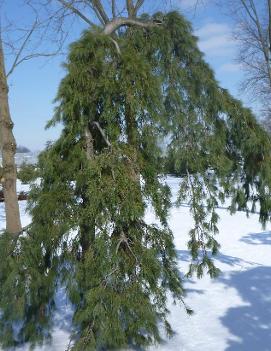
{"points": [[88, 232]]}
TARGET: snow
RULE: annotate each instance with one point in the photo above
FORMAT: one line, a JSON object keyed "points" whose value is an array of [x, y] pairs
{"points": [[232, 312]]}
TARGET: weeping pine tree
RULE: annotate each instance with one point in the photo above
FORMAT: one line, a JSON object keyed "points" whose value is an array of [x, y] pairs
{"points": [[89, 234]]}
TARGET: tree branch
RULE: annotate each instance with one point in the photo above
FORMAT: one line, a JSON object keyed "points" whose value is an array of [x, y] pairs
{"points": [[116, 23], [99, 10], [255, 18], [76, 11], [269, 26], [138, 5], [17, 60], [89, 144], [97, 125], [130, 8], [116, 45], [29, 57], [114, 10]]}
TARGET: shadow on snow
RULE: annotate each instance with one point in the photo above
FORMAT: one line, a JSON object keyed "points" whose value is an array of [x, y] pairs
{"points": [[250, 324], [263, 238]]}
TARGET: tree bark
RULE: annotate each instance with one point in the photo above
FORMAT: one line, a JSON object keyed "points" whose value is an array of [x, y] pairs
{"points": [[87, 230], [269, 29], [8, 149], [118, 22]]}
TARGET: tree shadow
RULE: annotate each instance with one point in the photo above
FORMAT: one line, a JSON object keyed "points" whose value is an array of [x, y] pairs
{"points": [[250, 324], [64, 311], [185, 256], [263, 238]]}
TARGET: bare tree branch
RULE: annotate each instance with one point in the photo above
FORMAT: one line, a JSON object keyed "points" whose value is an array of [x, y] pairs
{"points": [[76, 11], [130, 8], [114, 9], [116, 23], [253, 33], [269, 25], [99, 9], [29, 57], [138, 5], [25, 42]]}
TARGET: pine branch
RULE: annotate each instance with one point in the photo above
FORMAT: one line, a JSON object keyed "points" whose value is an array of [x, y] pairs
{"points": [[124, 240], [116, 23], [97, 125]]}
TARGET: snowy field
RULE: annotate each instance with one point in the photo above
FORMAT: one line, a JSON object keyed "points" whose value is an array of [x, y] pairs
{"points": [[232, 312]]}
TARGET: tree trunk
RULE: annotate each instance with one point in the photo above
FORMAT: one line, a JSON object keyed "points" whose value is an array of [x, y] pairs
{"points": [[8, 149], [269, 35], [87, 231]]}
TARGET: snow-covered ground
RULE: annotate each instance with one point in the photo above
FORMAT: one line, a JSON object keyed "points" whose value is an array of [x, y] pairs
{"points": [[232, 312]]}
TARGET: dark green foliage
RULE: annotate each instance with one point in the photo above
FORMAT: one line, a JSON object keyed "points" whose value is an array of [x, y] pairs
{"points": [[27, 173], [26, 294], [88, 232]]}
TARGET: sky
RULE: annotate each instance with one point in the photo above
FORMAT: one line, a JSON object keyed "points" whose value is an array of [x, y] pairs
{"points": [[34, 83]]}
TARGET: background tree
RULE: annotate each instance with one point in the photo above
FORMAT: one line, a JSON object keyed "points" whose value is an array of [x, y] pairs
{"points": [[8, 148], [21, 45], [252, 31]]}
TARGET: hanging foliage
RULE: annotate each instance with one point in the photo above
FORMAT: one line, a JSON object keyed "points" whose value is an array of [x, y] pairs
{"points": [[89, 232]]}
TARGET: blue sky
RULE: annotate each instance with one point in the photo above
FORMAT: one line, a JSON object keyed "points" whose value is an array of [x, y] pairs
{"points": [[34, 84]]}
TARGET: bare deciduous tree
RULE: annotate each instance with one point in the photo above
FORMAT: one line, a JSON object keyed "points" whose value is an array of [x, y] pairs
{"points": [[22, 50], [253, 34]]}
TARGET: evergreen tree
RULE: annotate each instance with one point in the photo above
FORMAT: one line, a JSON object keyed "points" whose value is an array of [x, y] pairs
{"points": [[88, 232]]}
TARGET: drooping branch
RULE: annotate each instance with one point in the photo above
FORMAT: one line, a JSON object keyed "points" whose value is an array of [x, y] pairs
{"points": [[116, 23], [116, 45]]}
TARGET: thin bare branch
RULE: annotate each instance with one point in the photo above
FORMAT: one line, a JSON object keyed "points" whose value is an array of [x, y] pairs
{"points": [[18, 56], [68, 5], [114, 9], [138, 5], [253, 32], [248, 11], [29, 57], [99, 10]]}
